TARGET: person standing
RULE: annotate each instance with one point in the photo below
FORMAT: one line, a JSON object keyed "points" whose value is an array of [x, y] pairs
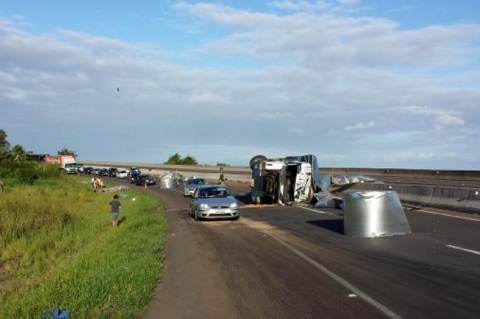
{"points": [[115, 210], [221, 179], [94, 183]]}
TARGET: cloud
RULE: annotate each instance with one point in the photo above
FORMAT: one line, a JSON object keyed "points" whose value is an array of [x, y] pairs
{"points": [[360, 126], [304, 80], [319, 40], [441, 118]]}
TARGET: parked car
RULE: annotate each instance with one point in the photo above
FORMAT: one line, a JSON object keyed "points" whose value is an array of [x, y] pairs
{"points": [[80, 168], [112, 171], [133, 176], [134, 170], [121, 174], [191, 185], [213, 202], [145, 179], [103, 172], [87, 170], [95, 171]]}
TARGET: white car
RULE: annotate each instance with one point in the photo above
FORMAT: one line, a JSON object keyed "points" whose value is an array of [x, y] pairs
{"points": [[122, 174]]}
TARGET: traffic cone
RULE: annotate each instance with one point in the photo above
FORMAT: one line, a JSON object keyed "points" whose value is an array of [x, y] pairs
{"points": [[146, 185]]}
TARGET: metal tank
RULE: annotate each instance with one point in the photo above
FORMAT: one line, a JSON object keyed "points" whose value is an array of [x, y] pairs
{"points": [[374, 214]]}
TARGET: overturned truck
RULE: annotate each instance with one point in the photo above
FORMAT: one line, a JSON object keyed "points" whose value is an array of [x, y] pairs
{"points": [[284, 180], [296, 179]]}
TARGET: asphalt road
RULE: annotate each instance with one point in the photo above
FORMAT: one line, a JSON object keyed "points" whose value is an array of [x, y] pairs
{"points": [[295, 262]]}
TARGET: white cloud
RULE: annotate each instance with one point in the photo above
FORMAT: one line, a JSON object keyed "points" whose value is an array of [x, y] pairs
{"points": [[267, 80], [360, 126], [439, 117]]}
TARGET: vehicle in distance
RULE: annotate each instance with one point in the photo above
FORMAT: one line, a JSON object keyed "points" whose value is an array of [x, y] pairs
{"points": [[112, 171], [121, 174], [191, 185], [132, 175], [103, 172], [145, 179], [65, 162], [213, 202], [80, 168]]}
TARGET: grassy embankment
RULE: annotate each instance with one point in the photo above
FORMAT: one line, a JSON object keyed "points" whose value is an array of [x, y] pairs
{"points": [[58, 249]]}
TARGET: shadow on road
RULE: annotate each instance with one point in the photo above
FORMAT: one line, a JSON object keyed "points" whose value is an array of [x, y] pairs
{"points": [[334, 225]]}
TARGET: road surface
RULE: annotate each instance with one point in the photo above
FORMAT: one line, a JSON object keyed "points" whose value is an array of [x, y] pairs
{"points": [[295, 262]]}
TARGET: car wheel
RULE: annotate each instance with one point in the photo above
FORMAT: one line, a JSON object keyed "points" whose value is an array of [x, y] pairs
{"points": [[197, 218]]}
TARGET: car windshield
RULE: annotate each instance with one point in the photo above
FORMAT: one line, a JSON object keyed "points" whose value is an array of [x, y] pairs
{"points": [[214, 192], [197, 181]]}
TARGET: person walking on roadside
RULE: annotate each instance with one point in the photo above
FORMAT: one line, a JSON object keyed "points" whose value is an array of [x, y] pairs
{"points": [[115, 210], [221, 179]]}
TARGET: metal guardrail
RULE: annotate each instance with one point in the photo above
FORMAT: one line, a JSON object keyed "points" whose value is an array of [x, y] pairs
{"points": [[421, 175]]}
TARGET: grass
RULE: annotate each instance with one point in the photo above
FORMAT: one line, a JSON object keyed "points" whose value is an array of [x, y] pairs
{"points": [[58, 249]]}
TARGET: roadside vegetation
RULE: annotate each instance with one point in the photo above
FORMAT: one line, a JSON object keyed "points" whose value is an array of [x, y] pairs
{"points": [[58, 248]]}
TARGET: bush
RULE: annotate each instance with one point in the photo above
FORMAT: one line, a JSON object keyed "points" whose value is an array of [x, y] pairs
{"points": [[26, 172]]}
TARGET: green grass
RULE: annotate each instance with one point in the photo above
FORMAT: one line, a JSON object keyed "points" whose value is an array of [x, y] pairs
{"points": [[58, 249]]}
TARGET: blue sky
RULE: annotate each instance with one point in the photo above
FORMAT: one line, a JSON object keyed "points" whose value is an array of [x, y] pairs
{"points": [[358, 83]]}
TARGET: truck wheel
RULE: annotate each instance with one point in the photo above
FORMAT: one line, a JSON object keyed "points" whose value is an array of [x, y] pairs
{"points": [[257, 158]]}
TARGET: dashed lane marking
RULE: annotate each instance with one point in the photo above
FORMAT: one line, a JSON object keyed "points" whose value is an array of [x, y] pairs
{"points": [[447, 215], [464, 249]]}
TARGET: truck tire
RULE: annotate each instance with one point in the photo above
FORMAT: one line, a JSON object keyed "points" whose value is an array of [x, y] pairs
{"points": [[257, 158]]}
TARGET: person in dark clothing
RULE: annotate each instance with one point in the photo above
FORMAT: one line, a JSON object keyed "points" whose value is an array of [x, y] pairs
{"points": [[115, 210]]}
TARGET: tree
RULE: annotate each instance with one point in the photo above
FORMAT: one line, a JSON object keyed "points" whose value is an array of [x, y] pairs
{"points": [[176, 159], [4, 145], [189, 160], [222, 164], [17, 154], [66, 151]]}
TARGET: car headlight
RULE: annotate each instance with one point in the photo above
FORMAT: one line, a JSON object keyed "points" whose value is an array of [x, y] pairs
{"points": [[204, 206], [234, 205]]}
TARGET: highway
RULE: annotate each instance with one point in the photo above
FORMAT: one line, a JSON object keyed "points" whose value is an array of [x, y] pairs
{"points": [[295, 262]]}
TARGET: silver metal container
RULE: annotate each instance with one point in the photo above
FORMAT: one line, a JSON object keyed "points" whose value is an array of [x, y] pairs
{"points": [[374, 214]]}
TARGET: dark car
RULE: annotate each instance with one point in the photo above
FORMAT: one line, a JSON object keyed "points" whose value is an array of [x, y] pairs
{"points": [[112, 172], [145, 179], [103, 172], [135, 170], [87, 170], [132, 176]]}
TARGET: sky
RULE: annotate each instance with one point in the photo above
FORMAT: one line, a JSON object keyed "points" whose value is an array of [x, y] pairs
{"points": [[357, 83]]}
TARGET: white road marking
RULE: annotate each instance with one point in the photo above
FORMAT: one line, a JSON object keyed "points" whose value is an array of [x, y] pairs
{"points": [[464, 249], [343, 282], [316, 210], [447, 215]]}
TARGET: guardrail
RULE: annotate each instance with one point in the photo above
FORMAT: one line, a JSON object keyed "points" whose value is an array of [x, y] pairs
{"points": [[444, 189]]}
